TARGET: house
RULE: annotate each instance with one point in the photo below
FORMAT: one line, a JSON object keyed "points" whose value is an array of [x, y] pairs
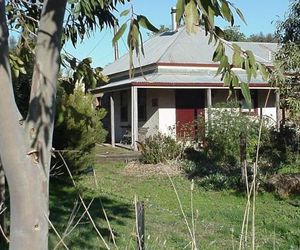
{"points": [[174, 83]]}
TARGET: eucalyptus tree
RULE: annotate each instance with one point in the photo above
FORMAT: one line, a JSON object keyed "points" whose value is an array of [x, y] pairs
{"points": [[287, 64], [26, 142]]}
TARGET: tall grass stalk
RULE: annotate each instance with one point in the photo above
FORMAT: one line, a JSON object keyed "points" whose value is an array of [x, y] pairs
{"points": [[136, 224], [104, 212], [83, 203], [67, 231], [252, 192], [255, 174], [192, 212], [194, 245], [56, 232]]}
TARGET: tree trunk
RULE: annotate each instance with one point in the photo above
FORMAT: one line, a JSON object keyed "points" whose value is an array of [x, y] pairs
{"points": [[2, 206], [25, 152]]}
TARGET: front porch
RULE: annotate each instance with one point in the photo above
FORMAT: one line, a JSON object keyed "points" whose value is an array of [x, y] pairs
{"points": [[137, 112]]}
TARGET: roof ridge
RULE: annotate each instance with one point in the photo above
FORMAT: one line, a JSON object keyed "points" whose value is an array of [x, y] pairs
{"points": [[162, 55]]}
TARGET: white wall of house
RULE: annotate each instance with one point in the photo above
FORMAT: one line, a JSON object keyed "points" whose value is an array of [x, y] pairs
{"points": [[270, 109], [167, 111], [161, 112]]}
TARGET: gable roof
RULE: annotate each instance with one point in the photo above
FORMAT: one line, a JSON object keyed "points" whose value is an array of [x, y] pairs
{"points": [[182, 48]]}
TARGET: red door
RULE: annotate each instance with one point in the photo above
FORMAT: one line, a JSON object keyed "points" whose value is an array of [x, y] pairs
{"points": [[189, 107]]}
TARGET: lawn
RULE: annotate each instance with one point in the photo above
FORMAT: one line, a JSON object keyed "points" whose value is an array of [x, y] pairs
{"points": [[218, 215]]}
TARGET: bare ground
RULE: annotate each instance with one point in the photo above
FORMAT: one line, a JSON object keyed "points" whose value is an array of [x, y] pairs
{"points": [[148, 170]]}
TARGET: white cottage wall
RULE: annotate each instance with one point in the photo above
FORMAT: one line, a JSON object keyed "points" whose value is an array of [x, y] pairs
{"points": [[167, 111], [270, 109]]}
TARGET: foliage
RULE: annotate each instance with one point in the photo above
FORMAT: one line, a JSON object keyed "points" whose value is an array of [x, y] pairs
{"points": [[160, 148], [234, 34], [288, 30], [287, 63], [223, 136], [22, 73], [162, 28], [263, 38], [78, 128], [219, 161], [279, 149]]}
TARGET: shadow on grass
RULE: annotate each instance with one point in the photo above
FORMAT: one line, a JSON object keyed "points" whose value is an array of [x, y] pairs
{"points": [[63, 198]]}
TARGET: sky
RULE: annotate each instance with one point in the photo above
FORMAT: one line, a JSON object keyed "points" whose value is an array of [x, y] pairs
{"points": [[260, 15]]}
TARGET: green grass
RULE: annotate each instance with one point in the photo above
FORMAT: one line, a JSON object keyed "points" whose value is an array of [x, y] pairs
{"points": [[218, 224]]}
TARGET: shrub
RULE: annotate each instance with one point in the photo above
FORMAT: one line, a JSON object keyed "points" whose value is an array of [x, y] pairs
{"points": [[160, 148], [223, 137], [280, 151], [78, 128], [219, 159], [218, 162]]}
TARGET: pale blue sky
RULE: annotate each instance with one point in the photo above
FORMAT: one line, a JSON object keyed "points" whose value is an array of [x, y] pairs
{"points": [[260, 15]]}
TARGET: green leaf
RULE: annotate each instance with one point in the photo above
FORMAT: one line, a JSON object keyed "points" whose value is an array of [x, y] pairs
{"points": [[101, 3], [219, 52], [179, 10], [246, 92], [221, 66], [211, 17], [248, 69], [263, 71], [119, 33], [144, 22], [240, 14], [87, 60], [227, 78], [203, 5], [16, 72], [191, 17], [226, 11], [23, 71], [251, 58], [234, 80], [236, 57], [125, 12], [219, 32]]}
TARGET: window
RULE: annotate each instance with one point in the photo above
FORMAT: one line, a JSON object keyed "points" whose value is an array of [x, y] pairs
{"points": [[142, 99], [124, 105]]}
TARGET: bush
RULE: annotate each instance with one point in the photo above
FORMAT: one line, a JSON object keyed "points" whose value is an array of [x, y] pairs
{"points": [[219, 159], [78, 128], [160, 148], [280, 149], [218, 162], [223, 137]]}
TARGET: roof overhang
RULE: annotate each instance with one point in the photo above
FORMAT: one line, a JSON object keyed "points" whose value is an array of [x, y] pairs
{"points": [[181, 77]]}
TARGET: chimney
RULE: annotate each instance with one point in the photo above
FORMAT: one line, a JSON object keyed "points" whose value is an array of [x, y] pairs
{"points": [[173, 15]]}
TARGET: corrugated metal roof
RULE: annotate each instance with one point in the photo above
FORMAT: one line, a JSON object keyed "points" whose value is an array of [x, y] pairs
{"points": [[180, 47], [201, 76]]}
